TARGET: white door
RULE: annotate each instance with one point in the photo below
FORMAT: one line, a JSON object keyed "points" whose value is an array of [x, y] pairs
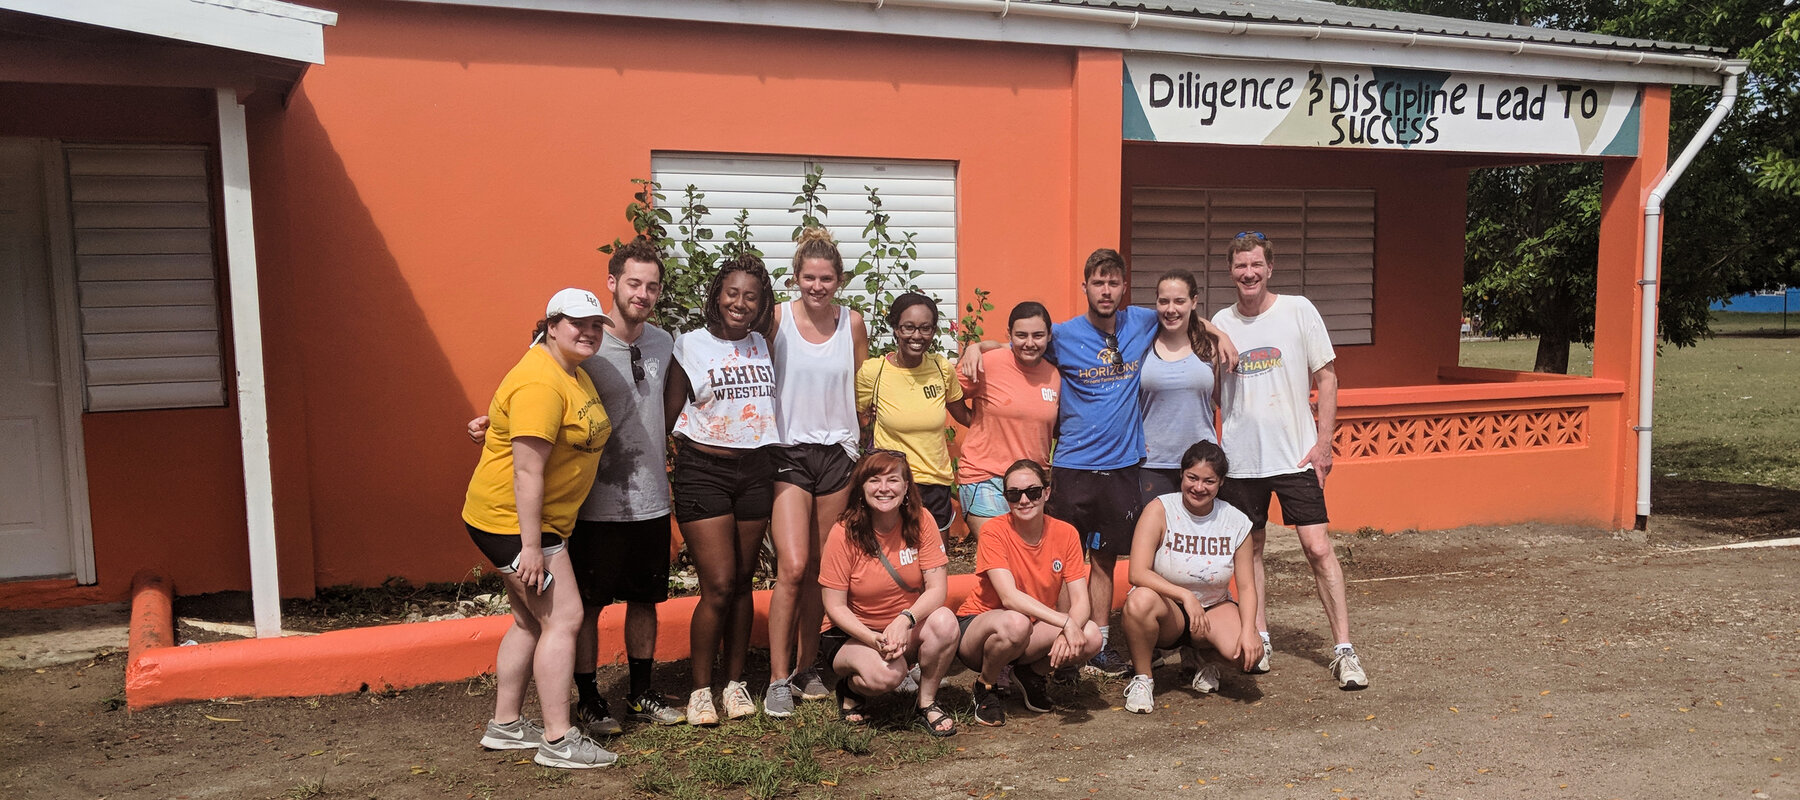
{"points": [[35, 535]]}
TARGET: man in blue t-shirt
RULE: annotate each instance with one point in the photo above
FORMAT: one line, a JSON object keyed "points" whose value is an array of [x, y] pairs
{"points": [[1100, 429]]}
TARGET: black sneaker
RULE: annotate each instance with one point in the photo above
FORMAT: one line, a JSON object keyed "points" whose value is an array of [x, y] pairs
{"points": [[1034, 689], [595, 719], [990, 705], [653, 709], [1108, 663]]}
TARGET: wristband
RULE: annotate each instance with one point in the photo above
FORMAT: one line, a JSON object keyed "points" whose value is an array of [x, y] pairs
{"points": [[912, 621]]}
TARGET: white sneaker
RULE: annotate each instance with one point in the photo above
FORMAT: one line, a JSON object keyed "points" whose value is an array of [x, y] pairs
{"points": [[1347, 668], [1262, 665], [700, 709], [1140, 695], [575, 751], [1206, 679], [736, 698]]}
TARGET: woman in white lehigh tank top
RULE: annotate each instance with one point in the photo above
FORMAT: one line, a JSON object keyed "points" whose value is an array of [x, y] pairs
{"points": [[1187, 548], [818, 344], [721, 404]]}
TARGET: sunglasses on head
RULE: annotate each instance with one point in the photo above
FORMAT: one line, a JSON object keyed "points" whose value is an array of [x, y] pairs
{"points": [[1257, 235], [1033, 493], [885, 451]]}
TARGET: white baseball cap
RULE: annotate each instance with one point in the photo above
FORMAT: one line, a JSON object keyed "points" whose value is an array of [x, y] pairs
{"points": [[576, 303]]}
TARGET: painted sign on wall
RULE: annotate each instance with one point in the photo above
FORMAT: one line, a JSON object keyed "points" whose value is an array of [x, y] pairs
{"points": [[1219, 101]]}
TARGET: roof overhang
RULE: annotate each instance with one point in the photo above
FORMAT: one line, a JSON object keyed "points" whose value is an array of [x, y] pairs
{"points": [[1023, 22], [258, 27]]}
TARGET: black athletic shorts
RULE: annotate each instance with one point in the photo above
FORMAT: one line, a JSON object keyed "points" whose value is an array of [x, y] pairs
{"points": [[1101, 504], [817, 468], [831, 641], [1186, 639], [937, 501], [502, 549], [621, 562], [707, 485], [1302, 498], [1154, 482]]}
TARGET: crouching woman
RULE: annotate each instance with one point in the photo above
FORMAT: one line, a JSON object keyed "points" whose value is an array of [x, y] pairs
{"points": [[884, 576]]}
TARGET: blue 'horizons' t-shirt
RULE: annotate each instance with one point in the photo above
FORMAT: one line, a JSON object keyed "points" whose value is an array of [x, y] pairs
{"points": [[1098, 421]]}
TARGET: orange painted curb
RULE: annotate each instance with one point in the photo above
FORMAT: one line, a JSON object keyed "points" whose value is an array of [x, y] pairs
{"points": [[386, 657], [152, 615]]}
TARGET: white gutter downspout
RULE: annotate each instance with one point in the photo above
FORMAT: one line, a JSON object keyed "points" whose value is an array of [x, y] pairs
{"points": [[247, 348], [1652, 269]]}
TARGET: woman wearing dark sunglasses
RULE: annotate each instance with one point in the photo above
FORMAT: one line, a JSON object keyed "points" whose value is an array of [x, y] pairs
{"points": [[883, 575], [1019, 613]]}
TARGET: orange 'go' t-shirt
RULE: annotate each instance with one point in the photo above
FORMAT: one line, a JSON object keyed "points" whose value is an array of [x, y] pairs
{"points": [[874, 597], [1038, 571]]}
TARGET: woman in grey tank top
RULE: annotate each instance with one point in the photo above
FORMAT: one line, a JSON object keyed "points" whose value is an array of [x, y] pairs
{"points": [[1178, 390]]}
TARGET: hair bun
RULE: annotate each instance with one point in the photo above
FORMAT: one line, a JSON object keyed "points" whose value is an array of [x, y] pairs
{"points": [[813, 233]]}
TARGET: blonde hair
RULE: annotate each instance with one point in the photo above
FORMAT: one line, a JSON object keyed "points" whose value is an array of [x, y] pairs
{"points": [[816, 242]]}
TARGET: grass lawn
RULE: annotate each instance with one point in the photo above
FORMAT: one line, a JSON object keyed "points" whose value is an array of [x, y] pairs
{"points": [[1727, 409]]}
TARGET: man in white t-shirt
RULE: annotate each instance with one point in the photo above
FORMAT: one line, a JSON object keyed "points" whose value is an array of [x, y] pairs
{"points": [[1270, 433]]}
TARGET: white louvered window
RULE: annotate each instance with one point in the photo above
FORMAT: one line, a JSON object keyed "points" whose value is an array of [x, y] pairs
{"points": [[1324, 243], [142, 222], [919, 197]]}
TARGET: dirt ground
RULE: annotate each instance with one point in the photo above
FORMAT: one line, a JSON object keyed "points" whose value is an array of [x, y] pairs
{"points": [[1522, 661]]}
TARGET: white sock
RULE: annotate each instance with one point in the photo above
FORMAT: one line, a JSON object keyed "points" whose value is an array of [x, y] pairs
{"points": [[1105, 631], [1342, 648], [1265, 637]]}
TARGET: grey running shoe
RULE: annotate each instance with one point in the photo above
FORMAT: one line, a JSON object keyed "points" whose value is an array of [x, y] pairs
{"points": [[1206, 679], [808, 685], [778, 701], [595, 719], [1140, 695], [1108, 663], [1347, 668], [653, 709], [736, 699], [910, 683], [575, 751], [520, 734]]}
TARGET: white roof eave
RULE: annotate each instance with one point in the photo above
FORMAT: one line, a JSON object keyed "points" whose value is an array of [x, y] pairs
{"points": [[262, 27], [1117, 29]]}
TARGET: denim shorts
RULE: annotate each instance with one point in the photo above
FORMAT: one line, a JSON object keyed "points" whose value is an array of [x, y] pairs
{"points": [[984, 498]]}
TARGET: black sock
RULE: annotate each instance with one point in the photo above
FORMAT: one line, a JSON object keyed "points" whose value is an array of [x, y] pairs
{"points": [[640, 675], [586, 689]]}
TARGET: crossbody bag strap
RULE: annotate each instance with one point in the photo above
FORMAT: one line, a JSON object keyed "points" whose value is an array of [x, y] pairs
{"points": [[894, 573]]}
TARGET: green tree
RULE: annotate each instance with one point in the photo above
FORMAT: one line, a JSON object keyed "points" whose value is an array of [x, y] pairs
{"points": [[1729, 224]]}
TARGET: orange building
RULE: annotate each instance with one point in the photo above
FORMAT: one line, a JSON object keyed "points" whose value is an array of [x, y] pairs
{"points": [[272, 257]]}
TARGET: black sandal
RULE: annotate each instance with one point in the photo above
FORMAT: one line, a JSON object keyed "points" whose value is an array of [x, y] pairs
{"points": [[934, 727], [851, 714]]}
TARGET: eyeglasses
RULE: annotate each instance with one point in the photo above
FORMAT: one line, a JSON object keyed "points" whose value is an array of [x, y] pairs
{"points": [[910, 329], [637, 364], [1257, 235], [1033, 493], [1110, 353]]}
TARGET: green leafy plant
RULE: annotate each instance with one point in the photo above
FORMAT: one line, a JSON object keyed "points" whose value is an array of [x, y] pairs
{"points": [[885, 270], [969, 330]]}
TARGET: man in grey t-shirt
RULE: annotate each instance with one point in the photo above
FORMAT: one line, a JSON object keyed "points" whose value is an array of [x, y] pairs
{"points": [[620, 547]]}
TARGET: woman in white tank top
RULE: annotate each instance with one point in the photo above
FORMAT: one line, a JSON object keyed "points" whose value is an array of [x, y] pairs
{"points": [[1187, 549], [818, 344]]}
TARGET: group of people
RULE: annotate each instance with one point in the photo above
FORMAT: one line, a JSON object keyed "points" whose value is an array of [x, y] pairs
{"points": [[780, 424]]}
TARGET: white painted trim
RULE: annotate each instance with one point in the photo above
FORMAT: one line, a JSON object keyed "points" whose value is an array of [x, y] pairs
{"points": [[247, 349], [66, 317], [263, 27], [1112, 29]]}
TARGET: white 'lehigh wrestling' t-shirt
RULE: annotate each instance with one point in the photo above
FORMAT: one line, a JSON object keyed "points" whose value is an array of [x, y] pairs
{"points": [[1268, 420]]}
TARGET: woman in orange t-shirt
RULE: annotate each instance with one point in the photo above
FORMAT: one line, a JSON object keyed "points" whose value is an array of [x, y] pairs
{"points": [[884, 577], [1019, 613]]}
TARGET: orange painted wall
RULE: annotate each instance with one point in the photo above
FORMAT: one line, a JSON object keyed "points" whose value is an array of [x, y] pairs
{"points": [[449, 168], [165, 488], [1419, 218]]}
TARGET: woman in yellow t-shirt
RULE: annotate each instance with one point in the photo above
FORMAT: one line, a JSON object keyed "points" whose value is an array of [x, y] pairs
{"points": [[907, 395], [537, 465]]}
